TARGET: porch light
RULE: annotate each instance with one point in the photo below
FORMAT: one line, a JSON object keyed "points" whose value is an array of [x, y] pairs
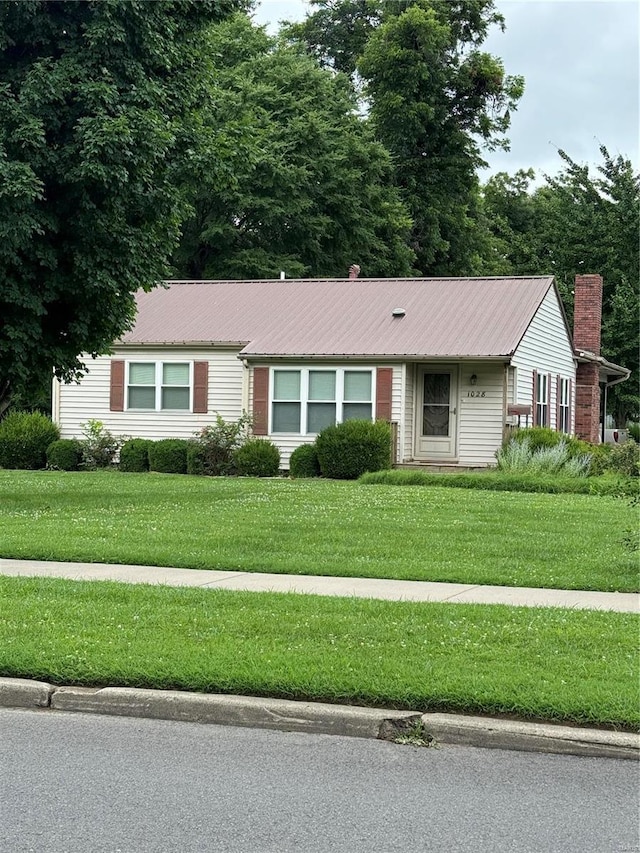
{"points": [[473, 380]]}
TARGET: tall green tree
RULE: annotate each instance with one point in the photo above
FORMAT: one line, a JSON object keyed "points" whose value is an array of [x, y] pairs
{"points": [[580, 221], [296, 181], [435, 100], [95, 100]]}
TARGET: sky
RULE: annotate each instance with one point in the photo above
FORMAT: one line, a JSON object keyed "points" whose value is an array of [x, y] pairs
{"points": [[581, 64]]}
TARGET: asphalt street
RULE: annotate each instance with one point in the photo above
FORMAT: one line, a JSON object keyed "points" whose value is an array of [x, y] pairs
{"points": [[77, 783]]}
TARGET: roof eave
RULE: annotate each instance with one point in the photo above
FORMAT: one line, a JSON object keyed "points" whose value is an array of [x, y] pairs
{"points": [[193, 344], [610, 373], [381, 356]]}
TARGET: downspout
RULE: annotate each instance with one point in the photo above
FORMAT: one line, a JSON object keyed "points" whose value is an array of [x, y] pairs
{"points": [[55, 401], [245, 386]]}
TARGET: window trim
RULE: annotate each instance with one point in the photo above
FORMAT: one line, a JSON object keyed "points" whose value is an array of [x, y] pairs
{"points": [[304, 393], [564, 405], [158, 385], [543, 409]]}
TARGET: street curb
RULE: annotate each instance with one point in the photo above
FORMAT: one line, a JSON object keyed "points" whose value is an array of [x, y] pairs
{"points": [[24, 693], [253, 711], [321, 718], [531, 737]]}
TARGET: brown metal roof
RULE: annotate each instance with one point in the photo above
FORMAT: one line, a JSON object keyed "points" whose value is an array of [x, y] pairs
{"points": [[443, 318]]}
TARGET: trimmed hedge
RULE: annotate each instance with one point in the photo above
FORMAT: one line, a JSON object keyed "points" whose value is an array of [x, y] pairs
{"points": [[303, 462], [257, 457], [499, 482], [134, 455], [347, 450], [168, 456], [65, 454], [24, 439]]}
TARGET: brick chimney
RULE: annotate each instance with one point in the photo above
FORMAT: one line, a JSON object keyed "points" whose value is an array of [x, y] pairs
{"points": [[587, 323], [354, 271]]}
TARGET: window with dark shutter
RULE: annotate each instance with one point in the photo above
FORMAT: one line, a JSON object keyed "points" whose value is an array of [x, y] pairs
{"points": [[384, 383], [116, 391], [260, 400], [200, 387]]}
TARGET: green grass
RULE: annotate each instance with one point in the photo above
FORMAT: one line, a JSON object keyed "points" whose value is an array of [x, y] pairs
{"points": [[500, 481], [319, 527], [535, 663]]}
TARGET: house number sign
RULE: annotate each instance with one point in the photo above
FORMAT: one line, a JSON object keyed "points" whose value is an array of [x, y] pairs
{"points": [[476, 393]]}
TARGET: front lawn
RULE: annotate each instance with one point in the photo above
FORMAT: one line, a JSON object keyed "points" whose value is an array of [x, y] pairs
{"points": [[536, 663], [319, 527]]}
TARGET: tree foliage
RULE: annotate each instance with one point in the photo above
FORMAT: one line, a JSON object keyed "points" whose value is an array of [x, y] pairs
{"points": [[295, 180], [579, 222], [94, 99], [434, 99]]}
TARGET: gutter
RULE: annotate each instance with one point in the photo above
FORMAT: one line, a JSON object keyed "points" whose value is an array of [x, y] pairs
{"points": [[607, 368]]}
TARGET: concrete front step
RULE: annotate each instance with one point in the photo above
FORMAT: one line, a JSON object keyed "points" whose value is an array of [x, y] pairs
{"points": [[438, 468]]}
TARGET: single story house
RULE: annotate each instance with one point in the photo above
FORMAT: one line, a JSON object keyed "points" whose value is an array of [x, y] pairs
{"points": [[451, 363]]}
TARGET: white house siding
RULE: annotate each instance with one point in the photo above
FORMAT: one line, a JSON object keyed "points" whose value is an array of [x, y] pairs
{"points": [[545, 347], [408, 419], [75, 404], [287, 442], [480, 418], [398, 390]]}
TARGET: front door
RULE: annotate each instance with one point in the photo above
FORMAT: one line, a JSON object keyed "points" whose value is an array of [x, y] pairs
{"points": [[436, 413]]}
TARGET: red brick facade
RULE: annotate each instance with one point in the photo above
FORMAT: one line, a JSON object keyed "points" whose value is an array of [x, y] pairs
{"points": [[587, 322], [587, 313], [588, 403]]}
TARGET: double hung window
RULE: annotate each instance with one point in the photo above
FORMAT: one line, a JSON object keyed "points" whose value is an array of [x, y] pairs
{"points": [[159, 386], [307, 400], [564, 403], [542, 400]]}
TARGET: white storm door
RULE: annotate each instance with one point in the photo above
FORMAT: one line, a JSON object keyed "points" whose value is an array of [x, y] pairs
{"points": [[436, 413]]}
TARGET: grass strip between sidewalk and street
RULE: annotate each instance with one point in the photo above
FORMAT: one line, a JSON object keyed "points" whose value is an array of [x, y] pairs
{"points": [[319, 527], [534, 663]]}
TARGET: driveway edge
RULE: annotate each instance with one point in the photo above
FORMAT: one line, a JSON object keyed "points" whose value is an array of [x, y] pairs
{"points": [[320, 718]]}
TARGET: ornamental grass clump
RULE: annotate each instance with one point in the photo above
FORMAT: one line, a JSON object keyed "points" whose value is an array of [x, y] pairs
{"points": [[519, 456]]}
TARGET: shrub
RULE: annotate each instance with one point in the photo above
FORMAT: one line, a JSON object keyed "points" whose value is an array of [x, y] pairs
{"points": [[168, 456], [303, 462], [347, 450], [625, 459], [24, 439], [65, 454], [134, 455], [600, 454], [99, 446], [537, 437], [211, 452], [496, 481], [257, 457], [195, 457], [634, 431]]}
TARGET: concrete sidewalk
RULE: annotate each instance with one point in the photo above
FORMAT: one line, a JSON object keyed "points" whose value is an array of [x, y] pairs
{"points": [[390, 590]]}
